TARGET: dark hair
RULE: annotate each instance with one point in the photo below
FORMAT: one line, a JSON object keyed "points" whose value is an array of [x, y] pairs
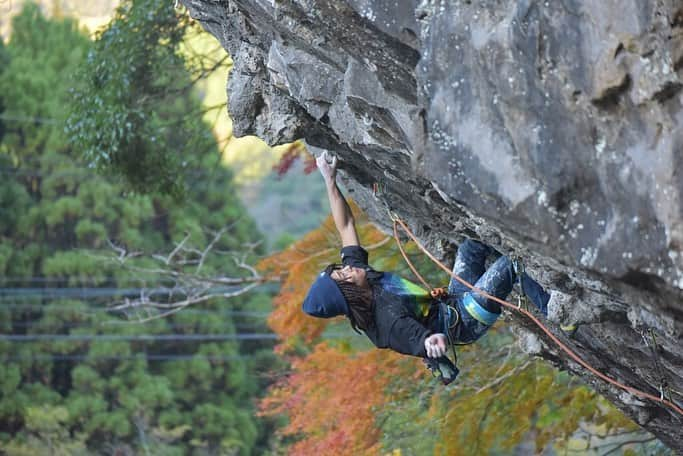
{"points": [[360, 302]]}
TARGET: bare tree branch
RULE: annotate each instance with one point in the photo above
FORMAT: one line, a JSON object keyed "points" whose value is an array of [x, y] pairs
{"points": [[208, 248], [501, 378], [123, 253], [177, 287], [624, 443], [173, 253]]}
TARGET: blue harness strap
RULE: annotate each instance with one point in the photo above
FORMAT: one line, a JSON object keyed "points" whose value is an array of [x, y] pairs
{"points": [[477, 311]]}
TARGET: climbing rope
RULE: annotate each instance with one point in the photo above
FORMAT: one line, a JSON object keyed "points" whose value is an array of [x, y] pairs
{"points": [[410, 264], [436, 293], [636, 392]]}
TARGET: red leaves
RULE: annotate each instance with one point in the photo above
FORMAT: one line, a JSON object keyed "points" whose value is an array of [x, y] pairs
{"points": [[294, 152]]}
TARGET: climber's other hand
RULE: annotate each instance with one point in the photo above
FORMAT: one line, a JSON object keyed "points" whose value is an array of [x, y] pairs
{"points": [[435, 345]]}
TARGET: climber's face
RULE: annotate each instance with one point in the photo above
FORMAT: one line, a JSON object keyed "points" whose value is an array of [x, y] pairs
{"points": [[350, 274]]}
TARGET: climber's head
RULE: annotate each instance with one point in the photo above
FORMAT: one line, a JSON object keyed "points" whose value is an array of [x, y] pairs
{"points": [[341, 290], [348, 275]]}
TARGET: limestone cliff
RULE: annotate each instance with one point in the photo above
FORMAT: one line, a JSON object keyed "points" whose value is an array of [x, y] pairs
{"points": [[548, 129]]}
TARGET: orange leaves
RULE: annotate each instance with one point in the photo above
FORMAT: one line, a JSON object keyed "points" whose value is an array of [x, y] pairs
{"points": [[292, 153], [331, 398]]}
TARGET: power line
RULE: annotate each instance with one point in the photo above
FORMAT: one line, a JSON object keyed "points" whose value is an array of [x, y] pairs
{"points": [[148, 337], [136, 337], [145, 356], [91, 292], [88, 324], [241, 313], [29, 119], [37, 279], [81, 170]]}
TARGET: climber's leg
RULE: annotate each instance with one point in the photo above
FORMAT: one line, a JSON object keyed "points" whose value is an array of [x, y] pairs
{"points": [[498, 281], [477, 313], [469, 265]]}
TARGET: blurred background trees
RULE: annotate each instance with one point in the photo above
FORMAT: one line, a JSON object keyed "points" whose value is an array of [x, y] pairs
{"points": [[75, 377]]}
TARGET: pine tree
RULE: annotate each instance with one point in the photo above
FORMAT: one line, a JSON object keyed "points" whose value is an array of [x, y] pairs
{"points": [[109, 389]]}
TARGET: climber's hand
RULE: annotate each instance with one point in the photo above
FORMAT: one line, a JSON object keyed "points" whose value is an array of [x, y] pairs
{"points": [[435, 345], [327, 166]]}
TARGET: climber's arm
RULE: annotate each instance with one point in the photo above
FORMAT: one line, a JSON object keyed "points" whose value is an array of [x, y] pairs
{"points": [[341, 212]]}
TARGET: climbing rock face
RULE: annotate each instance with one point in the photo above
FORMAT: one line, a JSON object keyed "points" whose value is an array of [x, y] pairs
{"points": [[550, 130]]}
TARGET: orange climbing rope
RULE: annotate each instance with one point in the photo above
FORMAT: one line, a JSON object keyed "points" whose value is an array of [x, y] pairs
{"points": [[397, 221]]}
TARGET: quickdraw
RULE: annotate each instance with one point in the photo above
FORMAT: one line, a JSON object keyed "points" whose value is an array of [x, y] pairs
{"points": [[518, 267], [664, 390]]}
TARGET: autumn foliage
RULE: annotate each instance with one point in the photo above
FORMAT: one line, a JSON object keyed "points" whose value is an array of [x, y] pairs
{"points": [[294, 151]]}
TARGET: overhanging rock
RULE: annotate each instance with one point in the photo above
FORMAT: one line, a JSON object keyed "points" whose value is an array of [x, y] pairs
{"points": [[550, 130]]}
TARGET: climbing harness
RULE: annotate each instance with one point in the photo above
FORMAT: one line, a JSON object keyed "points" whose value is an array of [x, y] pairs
{"points": [[661, 398]]}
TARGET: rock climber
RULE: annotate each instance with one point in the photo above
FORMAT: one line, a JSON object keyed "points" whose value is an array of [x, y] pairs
{"points": [[398, 314]]}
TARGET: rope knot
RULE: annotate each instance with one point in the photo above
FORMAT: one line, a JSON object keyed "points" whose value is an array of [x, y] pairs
{"points": [[438, 293]]}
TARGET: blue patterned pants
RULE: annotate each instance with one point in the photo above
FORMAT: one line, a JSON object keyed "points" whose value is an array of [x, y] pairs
{"points": [[478, 313]]}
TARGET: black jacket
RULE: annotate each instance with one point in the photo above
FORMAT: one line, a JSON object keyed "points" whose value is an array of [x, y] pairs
{"points": [[397, 326]]}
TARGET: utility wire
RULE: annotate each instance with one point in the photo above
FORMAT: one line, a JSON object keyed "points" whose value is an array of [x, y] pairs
{"points": [[91, 292], [89, 324], [38, 279], [136, 337], [81, 170], [240, 313], [145, 356], [147, 337], [29, 119]]}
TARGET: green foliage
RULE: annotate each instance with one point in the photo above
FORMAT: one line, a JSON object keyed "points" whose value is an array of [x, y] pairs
{"points": [[132, 86], [97, 396], [502, 402], [46, 432], [4, 62]]}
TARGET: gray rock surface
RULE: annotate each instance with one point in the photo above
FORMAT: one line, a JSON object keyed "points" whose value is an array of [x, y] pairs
{"points": [[548, 129]]}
